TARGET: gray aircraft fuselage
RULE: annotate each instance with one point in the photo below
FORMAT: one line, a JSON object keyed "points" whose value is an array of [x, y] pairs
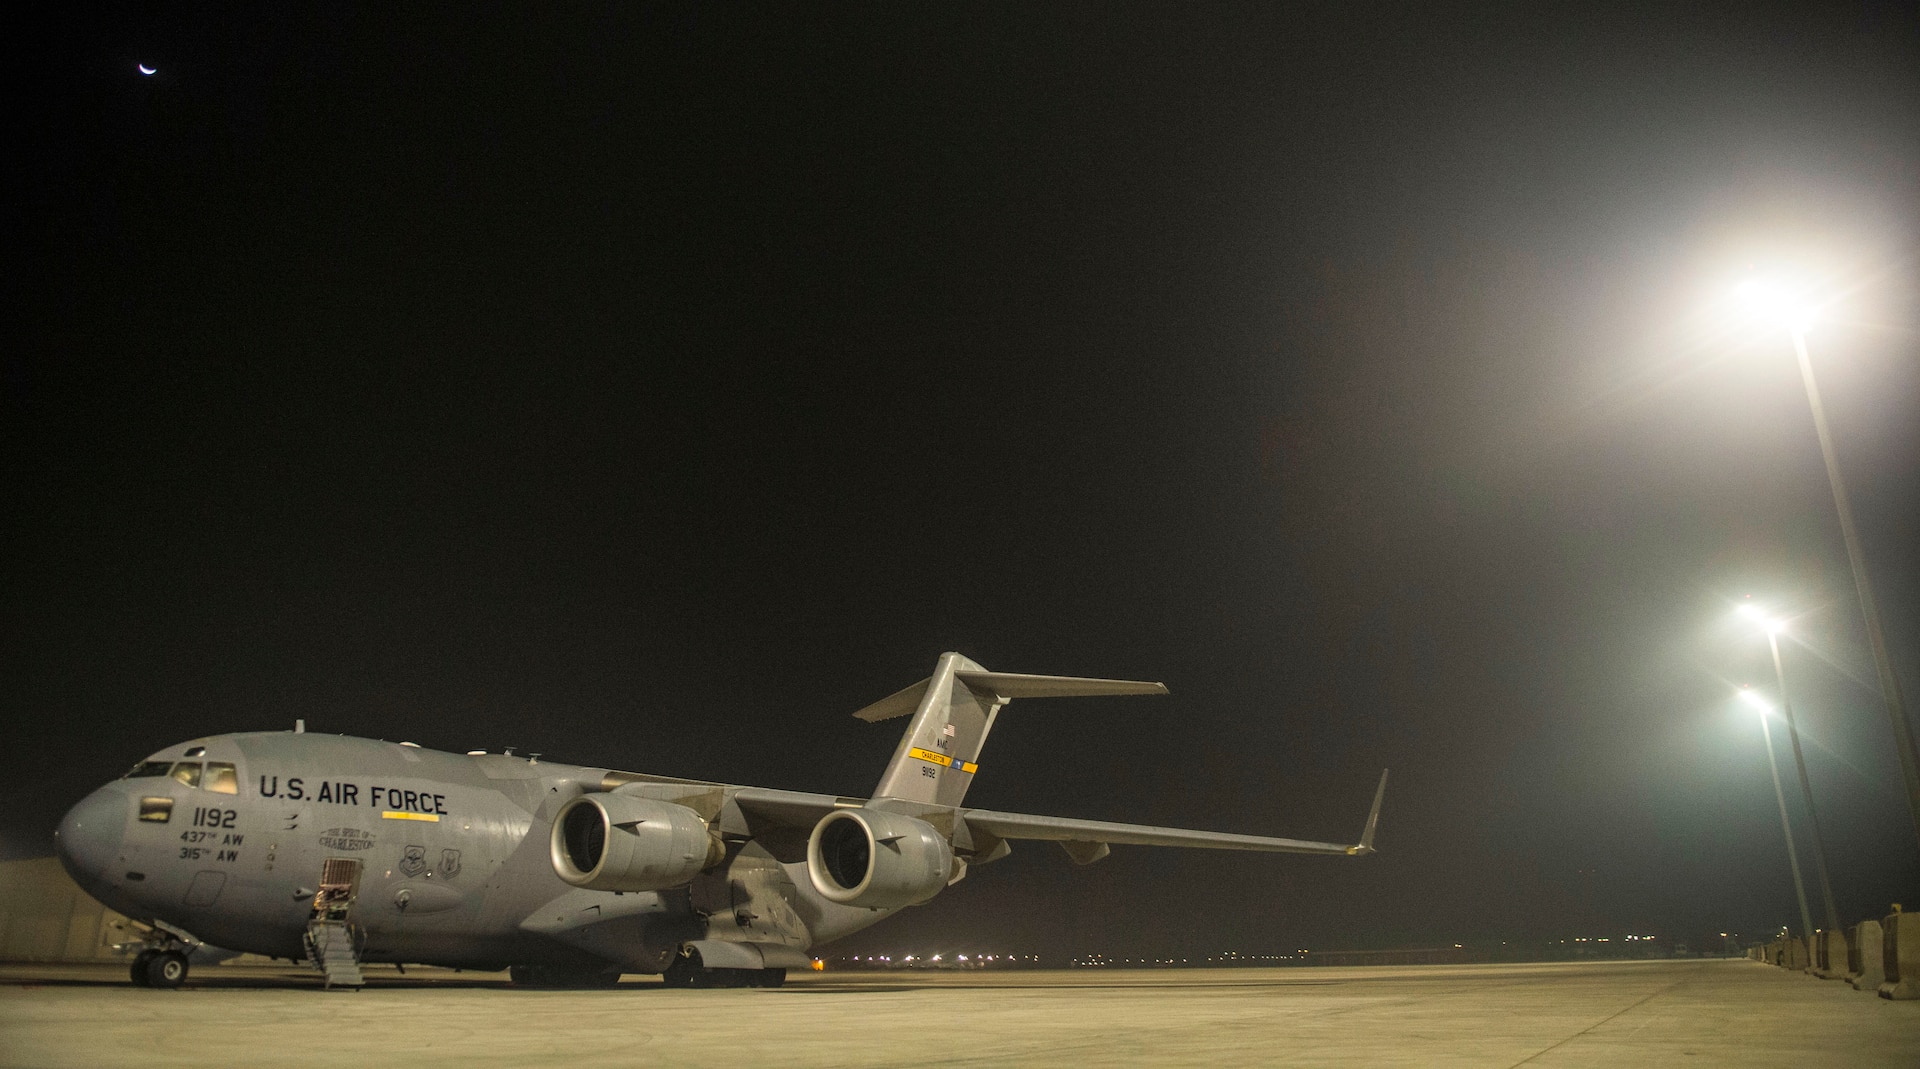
{"points": [[455, 866], [298, 845]]}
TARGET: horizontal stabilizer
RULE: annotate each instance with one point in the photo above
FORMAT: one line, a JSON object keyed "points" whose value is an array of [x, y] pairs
{"points": [[899, 703], [1005, 686], [1002, 687]]}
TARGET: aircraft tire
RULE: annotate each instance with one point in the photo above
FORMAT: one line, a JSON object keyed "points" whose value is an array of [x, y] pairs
{"points": [[676, 978], [708, 978], [771, 978], [556, 976], [137, 972], [167, 970], [683, 970]]}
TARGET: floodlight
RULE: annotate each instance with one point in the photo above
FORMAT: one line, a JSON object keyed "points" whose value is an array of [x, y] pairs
{"points": [[1768, 298]]}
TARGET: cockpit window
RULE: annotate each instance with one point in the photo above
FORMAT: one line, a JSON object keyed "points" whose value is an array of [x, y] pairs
{"points": [[149, 768], [221, 779], [187, 772]]}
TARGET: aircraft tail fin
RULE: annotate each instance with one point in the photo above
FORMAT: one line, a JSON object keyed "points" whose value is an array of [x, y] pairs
{"points": [[953, 710]]}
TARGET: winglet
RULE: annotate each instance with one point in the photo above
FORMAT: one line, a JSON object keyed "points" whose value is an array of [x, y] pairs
{"points": [[1373, 818]]}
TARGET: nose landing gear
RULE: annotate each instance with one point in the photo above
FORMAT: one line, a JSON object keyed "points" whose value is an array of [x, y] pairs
{"points": [[162, 964], [162, 958], [166, 969]]}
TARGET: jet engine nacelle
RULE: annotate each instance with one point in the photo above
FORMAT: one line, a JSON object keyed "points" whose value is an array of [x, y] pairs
{"points": [[867, 857], [620, 842]]}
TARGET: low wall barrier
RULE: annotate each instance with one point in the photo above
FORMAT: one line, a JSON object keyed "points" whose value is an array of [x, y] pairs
{"points": [[1900, 942], [1796, 956], [1834, 956], [1866, 951]]}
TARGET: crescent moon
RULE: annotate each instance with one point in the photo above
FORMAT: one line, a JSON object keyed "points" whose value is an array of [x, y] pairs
{"points": [[144, 69]]}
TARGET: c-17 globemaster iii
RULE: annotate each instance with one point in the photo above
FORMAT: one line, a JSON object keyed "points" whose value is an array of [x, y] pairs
{"points": [[338, 850]]}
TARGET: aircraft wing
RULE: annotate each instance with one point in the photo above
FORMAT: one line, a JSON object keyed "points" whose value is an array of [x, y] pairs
{"points": [[794, 809], [1068, 830], [1085, 839]]}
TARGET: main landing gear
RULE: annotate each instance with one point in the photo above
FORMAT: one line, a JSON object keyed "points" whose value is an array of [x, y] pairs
{"points": [[686, 971], [562, 977]]}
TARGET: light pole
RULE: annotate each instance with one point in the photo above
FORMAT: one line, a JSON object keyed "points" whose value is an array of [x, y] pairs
{"points": [[1773, 628], [1889, 683], [1797, 317], [1786, 829]]}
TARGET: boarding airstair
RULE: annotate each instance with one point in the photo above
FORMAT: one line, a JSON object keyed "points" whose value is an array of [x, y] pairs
{"points": [[330, 935]]}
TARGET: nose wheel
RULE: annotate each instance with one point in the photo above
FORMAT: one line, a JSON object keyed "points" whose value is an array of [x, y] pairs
{"points": [[165, 969], [161, 960]]}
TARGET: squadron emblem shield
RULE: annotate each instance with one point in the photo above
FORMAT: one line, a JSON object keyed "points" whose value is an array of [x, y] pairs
{"points": [[414, 861], [449, 863]]}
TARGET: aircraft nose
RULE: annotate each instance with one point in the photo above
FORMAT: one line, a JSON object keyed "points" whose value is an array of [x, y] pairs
{"points": [[88, 839]]}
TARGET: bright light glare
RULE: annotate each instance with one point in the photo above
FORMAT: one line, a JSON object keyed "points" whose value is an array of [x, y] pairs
{"points": [[1767, 299], [1753, 612], [1747, 695]]}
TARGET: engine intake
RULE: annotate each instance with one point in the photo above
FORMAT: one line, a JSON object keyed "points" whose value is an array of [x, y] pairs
{"points": [[619, 842], [867, 857]]}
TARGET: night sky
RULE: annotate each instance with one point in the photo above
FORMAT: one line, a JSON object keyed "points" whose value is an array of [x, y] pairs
{"points": [[654, 389]]}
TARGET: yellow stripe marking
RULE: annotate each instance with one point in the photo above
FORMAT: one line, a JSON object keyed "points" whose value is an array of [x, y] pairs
{"points": [[392, 815], [941, 759]]}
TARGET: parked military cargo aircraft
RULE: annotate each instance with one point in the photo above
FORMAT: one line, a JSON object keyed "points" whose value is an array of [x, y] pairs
{"points": [[338, 851]]}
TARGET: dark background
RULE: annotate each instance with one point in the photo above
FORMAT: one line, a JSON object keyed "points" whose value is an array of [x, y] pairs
{"points": [[653, 389]]}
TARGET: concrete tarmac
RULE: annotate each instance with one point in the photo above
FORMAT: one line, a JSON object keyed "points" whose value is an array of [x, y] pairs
{"points": [[1681, 1013]]}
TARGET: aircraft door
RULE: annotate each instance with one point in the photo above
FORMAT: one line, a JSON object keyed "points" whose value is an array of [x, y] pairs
{"points": [[339, 886]]}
